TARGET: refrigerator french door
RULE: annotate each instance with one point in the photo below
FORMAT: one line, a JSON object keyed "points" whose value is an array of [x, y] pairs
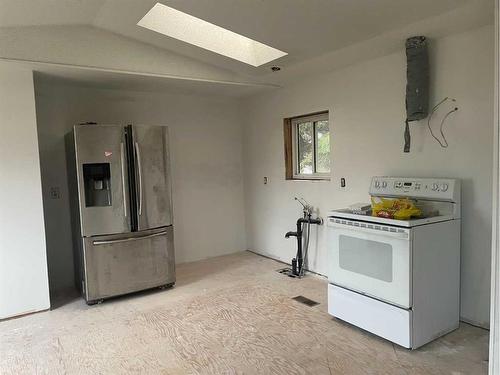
{"points": [[124, 209], [152, 187]]}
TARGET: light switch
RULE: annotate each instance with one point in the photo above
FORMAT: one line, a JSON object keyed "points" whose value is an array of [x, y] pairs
{"points": [[266, 180]]}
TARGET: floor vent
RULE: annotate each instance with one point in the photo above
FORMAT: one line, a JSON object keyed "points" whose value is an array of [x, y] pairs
{"points": [[306, 301]]}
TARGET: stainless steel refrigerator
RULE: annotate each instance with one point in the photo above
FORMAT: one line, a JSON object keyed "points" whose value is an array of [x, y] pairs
{"points": [[121, 203]]}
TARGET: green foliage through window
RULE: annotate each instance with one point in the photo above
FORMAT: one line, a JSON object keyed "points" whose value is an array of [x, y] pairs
{"points": [[313, 147], [305, 147]]}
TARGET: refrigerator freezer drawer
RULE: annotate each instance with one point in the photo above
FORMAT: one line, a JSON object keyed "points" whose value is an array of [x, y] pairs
{"points": [[121, 264], [385, 320]]}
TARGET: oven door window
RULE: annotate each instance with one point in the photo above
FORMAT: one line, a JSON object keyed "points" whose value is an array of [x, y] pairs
{"points": [[373, 262], [366, 257]]}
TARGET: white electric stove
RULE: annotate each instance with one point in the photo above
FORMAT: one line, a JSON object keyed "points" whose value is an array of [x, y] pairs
{"points": [[399, 279]]}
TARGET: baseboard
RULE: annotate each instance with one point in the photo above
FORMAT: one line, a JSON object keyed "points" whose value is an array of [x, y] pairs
{"points": [[23, 314], [475, 324]]}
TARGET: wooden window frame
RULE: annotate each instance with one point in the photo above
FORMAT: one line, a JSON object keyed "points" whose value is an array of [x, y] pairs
{"points": [[290, 142]]}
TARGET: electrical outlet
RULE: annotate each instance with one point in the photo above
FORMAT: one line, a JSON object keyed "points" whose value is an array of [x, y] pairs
{"points": [[266, 180], [342, 183], [55, 192]]}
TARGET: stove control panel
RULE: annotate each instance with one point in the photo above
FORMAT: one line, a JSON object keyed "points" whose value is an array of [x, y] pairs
{"points": [[445, 189]]}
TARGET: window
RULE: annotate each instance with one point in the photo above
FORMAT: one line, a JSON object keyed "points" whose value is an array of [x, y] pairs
{"points": [[307, 147], [190, 29]]}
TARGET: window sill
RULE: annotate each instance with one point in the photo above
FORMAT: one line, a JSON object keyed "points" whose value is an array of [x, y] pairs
{"points": [[309, 179]]}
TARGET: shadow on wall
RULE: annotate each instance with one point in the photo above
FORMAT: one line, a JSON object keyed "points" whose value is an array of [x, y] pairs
{"points": [[56, 205], [469, 307]]}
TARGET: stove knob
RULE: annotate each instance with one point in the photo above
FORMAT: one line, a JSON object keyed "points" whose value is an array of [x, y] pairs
{"points": [[444, 187], [384, 184], [435, 187], [377, 184]]}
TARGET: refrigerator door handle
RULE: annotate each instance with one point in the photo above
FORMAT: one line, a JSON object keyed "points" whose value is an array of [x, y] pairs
{"points": [[122, 155], [139, 170], [136, 238]]}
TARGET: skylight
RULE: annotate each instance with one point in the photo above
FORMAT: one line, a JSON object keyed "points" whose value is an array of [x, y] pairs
{"points": [[182, 26]]}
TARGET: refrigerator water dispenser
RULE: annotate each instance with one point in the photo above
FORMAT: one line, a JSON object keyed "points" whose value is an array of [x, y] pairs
{"points": [[97, 182]]}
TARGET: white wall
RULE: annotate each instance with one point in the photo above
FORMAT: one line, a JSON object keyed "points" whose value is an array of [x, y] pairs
{"points": [[366, 104], [206, 153], [23, 265]]}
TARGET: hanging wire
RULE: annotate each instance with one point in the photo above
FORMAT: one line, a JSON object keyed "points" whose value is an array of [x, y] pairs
{"points": [[444, 143]]}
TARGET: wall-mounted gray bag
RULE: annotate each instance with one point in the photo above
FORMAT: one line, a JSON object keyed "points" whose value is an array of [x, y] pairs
{"points": [[417, 83]]}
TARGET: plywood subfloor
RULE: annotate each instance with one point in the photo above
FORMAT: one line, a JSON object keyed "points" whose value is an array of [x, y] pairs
{"points": [[227, 315]]}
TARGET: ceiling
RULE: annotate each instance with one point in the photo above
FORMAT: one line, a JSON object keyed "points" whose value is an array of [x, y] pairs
{"points": [[306, 29]]}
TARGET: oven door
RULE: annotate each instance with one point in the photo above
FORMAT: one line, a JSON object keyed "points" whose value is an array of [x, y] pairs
{"points": [[371, 259]]}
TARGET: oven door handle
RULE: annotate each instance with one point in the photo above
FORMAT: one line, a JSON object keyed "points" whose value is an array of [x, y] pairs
{"points": [[400, 235]]}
